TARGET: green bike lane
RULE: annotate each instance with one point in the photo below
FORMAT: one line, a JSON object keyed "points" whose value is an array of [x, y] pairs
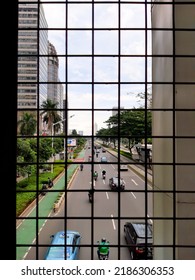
{"points": [[26, 231]]}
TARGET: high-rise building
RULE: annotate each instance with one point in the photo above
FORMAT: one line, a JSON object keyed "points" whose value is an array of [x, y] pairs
{"points": [[32, 69], [53, 66], [55, 90]]}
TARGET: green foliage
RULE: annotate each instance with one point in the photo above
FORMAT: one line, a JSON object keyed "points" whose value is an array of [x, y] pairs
{"points": [[24, 150], [23, 199], [126, 154], [27, 125], [130, 124], [45, 149], [50, 114]]}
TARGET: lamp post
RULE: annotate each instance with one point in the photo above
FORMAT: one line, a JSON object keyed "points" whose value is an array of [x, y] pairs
{"points": [[52, 132]]}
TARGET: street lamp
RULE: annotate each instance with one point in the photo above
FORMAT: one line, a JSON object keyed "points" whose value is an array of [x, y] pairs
{"points": [[52, 132]]}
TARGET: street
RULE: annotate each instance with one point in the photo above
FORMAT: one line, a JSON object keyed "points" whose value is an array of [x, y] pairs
{"points": [[105, 217]]}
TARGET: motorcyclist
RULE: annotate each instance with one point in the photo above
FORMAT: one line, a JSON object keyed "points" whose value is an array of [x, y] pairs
{"points": [[44, 188], [91, 192], [95, 175], [81, 166], [103, 248], [50, 183], [103, 173]]}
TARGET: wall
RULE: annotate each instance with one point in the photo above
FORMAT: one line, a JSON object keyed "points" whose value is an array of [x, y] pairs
{"points": [[175, 94]]}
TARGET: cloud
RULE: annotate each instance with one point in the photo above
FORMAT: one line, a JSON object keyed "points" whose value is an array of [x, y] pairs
{"points": [[104, 71]]}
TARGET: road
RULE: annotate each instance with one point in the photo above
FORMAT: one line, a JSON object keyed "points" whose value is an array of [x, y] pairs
{"points": [[103, 218]]}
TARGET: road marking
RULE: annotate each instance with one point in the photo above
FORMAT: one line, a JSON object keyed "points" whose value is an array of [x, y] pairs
{"points": [[133, 195], [25, 255], [150, 219], [112, 166], [134, 182], [113, 223], [107, 195], [104, 181]]}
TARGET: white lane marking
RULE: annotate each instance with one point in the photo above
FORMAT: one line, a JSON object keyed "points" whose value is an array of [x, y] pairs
{"points": [[113, 223], [150, 219], [107, 196], [134, 182], [35, 238], [112, 166], [133, 195], [104, 181], [149, 184]]}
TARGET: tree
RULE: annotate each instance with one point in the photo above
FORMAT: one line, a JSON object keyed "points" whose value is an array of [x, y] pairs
{"points": [[134, 125], [142, 96], [50, 115], [27, 125], [25, 155], [74, 132]]}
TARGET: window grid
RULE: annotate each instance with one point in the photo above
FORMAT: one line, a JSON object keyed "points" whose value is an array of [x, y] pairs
{"points": [[118, 245]]}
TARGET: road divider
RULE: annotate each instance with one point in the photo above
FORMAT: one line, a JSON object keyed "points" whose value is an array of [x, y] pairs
{"points": [[60, 198]]}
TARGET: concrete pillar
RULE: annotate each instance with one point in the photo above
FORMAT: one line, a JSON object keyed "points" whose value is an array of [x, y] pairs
{"points": [[177, 118]]}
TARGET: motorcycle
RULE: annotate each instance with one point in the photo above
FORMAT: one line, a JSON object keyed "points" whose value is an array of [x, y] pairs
{"points": [[90, 197], [43, 190], [101, 255], [50, 183], [95, 176], [81, 167], [103, 176]]}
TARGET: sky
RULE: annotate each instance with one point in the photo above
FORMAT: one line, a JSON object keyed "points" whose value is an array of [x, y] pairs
{"points": [[132, 69]]}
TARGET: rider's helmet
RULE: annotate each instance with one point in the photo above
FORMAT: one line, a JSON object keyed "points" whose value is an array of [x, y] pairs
{"points": [[103, 239]]}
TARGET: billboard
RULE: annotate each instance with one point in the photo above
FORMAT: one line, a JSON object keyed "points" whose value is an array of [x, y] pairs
{"points": [[71, 142]]}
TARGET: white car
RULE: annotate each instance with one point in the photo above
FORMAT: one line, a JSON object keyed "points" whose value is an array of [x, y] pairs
{"points": [[124, 167]]}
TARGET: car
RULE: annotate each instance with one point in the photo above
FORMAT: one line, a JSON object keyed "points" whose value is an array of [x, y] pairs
{"points": [[113, 183], [103, 159], [123, 167], [136, 239], [73, 239], [103, 150]]}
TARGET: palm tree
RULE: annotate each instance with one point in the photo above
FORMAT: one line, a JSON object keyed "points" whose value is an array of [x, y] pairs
{"points": [[27, 125], [50, 114]]}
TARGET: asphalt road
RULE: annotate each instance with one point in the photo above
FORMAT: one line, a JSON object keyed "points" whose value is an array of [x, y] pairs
{"points": [[105, 217]]}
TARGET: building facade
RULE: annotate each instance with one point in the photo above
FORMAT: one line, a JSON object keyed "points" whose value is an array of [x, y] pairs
{"points": [[173, 76], [32, 69]]}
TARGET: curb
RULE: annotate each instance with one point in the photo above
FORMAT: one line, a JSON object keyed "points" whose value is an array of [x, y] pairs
{"points": [[138, 171], [57, 204]]}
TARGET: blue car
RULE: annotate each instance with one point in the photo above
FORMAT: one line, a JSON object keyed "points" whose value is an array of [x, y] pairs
{"points": [[73, 239]]}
